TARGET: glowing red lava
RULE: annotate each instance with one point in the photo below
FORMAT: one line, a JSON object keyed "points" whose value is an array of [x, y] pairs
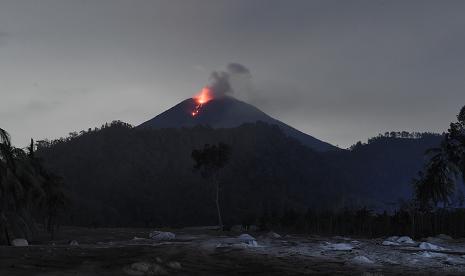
{"points": [[204, 96]]}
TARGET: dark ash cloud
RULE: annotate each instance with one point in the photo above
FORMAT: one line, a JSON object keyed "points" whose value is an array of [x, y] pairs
{"points": [[237, 68]]}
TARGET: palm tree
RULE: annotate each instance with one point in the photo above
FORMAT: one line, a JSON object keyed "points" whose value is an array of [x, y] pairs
{"points": [[438, 182], [10, 188], [24, 185], [210, 160]]}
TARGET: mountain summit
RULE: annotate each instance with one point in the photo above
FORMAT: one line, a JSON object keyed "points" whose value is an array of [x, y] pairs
{"points": [[225, 112]]}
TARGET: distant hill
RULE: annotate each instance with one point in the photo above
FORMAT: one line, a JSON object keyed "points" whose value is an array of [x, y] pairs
{"points": [[381, 170], [226, 112], [119, 175]]}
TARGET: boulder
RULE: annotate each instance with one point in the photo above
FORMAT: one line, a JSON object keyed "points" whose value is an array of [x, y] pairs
{"points": [[430, 246], [390, 243], [19, 242], [247, 239], [405, 240], [162, 236]]}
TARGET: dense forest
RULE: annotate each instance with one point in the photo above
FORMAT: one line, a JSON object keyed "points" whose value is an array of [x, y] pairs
{"points": [[118, 175]]}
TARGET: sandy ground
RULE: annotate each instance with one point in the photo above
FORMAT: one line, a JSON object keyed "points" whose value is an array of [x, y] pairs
{"points": [[114, 251]]}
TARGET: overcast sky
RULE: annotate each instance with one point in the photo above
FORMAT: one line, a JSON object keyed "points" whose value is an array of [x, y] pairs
{"points": [[341, 71]]}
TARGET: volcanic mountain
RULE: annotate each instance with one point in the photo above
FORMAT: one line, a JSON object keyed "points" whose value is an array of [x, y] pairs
{"points": [[225, 112]]}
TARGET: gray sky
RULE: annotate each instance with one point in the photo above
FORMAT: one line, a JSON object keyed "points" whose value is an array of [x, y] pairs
{"points": [[341, 71]]}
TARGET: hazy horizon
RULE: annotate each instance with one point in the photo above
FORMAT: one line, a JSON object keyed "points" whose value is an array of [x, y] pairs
{"points": [[339, 71]]}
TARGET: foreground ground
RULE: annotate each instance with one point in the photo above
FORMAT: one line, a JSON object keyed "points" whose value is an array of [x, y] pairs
{"points": [[203, 252]]}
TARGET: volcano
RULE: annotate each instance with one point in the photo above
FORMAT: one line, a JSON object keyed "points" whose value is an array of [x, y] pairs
{"points": [[225, 112]]}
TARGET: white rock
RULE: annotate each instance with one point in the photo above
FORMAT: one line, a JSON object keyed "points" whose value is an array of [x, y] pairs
{"points": [[19, 242], [162, 236], [405, 240], [390, 243], [247, 239], [430, 246], [362, 260]]}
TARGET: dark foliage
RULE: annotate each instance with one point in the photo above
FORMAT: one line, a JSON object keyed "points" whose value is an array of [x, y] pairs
{"points": [[367, 223], [28, 192], [124, 176], [438, 183]]}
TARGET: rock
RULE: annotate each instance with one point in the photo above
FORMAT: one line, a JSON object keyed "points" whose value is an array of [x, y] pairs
{"points": [[430, 246], [174, 265], [19, 242], [74, 243], [162, 236], [247, 239], [273, 235], [361, 260], [405, 240], [390, 243]]}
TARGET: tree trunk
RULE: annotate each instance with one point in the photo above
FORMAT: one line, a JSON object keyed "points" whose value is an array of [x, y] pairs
{"points": [[5, 229], [7, 235], [217, 201]]}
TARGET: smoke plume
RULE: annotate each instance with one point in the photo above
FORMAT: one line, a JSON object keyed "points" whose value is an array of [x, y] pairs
{"points": [[220, 81]]}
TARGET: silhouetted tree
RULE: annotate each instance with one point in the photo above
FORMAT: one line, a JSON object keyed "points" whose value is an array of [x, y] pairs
{"points": [[438, 182], [53, 196], [210, 160], [23, 183]]}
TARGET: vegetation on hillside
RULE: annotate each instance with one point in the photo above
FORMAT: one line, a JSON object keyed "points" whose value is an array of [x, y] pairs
{"points": [[28, 192]]}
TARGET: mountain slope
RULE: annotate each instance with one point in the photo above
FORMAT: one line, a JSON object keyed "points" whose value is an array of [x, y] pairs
{"points": [[226, 112]]}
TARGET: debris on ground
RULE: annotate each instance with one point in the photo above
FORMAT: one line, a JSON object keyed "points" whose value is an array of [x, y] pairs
{"points": [[162, 236]]}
